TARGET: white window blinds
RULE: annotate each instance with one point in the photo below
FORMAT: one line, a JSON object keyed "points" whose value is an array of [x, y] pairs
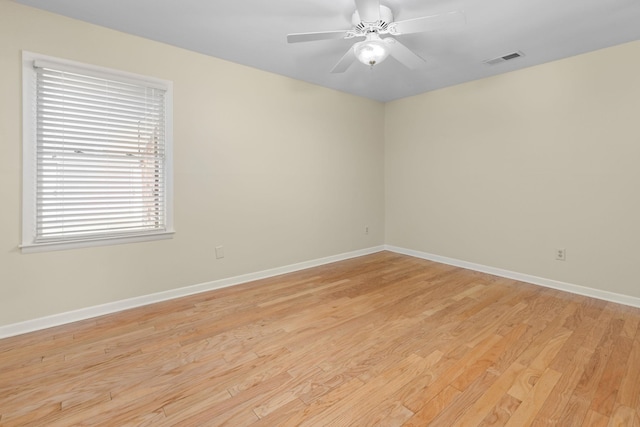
{"points": [[101, 166]]}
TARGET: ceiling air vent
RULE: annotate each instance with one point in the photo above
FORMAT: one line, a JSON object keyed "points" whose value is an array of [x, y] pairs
{"points": [[503, 58]]}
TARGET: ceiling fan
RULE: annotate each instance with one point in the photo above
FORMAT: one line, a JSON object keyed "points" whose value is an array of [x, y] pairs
{"points": [[371, 20]]}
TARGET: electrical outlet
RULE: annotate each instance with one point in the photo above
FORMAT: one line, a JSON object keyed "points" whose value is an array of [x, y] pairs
{"points": [[219, 252], [366, 230], [561, 254]]}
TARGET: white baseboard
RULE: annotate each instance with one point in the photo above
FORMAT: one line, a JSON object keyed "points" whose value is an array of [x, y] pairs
{"points": [[548, 283], [113, 307]]}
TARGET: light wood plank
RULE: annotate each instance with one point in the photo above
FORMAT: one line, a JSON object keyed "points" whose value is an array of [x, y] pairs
{"points": [[527, 410], [502, 412], [625, 416]]}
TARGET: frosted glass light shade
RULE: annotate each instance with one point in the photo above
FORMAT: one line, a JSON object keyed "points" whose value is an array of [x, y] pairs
{"points": [[371, 51]]}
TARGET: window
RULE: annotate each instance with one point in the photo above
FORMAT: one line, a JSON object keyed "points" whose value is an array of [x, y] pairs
{"points": [[96, 154]]}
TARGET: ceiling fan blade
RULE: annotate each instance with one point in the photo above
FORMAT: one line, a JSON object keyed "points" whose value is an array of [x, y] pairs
{"points": [[428, 23], [403, 54], [310, 37], [345, 62], [369, 10]]}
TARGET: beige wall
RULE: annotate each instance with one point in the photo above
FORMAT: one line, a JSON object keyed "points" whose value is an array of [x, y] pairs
{"points": [[499, 172], [503, 171], [276, 170]]}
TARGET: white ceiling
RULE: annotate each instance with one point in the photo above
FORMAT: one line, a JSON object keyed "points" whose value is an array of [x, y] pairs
{"points": [[253, 32]]}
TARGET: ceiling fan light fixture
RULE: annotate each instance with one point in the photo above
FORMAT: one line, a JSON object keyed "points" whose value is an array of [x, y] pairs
{"points": [[371, 51]]}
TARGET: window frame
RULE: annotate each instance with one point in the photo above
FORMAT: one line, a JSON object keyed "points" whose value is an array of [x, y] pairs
{"points": [[29, 156]]}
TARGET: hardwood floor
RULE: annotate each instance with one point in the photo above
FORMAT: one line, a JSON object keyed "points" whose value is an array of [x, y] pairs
{"points": [[381, 340]]}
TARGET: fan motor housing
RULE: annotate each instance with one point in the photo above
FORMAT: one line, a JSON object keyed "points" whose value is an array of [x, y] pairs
{"points": [[386, 17]]}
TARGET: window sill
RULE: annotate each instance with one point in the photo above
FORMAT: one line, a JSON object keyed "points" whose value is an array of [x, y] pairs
{"points": [[78, 244]]}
